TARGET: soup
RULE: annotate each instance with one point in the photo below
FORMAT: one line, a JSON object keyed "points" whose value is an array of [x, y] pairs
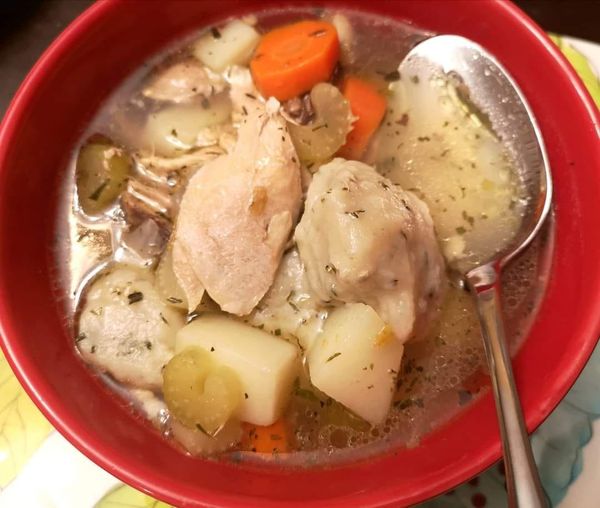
{"points": [[258, 230]]}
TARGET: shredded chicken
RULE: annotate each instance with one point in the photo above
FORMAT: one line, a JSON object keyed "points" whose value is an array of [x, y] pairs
{"points": [[159, 169], [362, 239], [237, 212], [183, 81]]}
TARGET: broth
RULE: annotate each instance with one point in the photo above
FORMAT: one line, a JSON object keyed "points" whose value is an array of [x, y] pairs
{"points": [[423, 134]]}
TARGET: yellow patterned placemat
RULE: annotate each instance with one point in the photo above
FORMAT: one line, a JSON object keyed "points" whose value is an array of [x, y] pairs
{"points": [[22, 426]]}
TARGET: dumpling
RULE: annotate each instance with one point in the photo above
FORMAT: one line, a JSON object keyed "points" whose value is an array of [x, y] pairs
{"points": [[362, 239], [125, 328]]}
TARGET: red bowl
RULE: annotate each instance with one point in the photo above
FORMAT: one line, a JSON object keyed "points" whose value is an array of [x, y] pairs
{"points": [[37, 136]]}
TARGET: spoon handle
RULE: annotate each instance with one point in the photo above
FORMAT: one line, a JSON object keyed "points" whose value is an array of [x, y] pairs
{"points": [[522, 479]]}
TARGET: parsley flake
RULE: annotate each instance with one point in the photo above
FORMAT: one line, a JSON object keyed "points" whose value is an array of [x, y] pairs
{"points": [[136, 296], [333, 356]]}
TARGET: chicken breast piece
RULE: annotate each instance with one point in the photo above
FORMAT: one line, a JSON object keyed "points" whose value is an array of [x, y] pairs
{"points": [[362, 239], [237, 213], [186, 276]]}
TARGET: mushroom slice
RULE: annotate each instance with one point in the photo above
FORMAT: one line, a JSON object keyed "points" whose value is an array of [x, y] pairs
{"points": [[171, 171], [142, 203], [299, 110], [321, 139]]}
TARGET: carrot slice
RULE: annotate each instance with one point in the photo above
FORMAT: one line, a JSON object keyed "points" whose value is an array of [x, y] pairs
{"points": [[270, 439], [292, 59], [369, 108]]}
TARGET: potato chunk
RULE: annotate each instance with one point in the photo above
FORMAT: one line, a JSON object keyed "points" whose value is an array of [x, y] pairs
{"points": [[356, 360], [126, 330], [231, 45], [266, 366]]}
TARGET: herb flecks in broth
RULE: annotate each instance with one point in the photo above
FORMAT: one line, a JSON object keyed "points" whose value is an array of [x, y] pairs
{"points": [[450, 158]]}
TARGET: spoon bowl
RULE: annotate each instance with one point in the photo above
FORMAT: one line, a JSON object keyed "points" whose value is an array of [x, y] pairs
{"points": [[488, 92]]}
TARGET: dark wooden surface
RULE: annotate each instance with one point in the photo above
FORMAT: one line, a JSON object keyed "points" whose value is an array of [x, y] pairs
{"points": [[28, 26]]}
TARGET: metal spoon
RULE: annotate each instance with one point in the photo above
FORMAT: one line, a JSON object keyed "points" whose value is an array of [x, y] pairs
{"points": [[485, 86]]}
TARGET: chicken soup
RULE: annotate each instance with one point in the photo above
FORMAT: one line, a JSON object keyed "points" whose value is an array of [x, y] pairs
{"points": [[257, 239]]}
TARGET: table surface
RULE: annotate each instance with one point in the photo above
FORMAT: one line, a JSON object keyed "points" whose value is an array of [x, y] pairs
{"points": [[28, 26]]}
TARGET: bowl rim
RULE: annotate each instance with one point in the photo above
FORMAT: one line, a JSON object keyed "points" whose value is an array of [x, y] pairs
{"points": [[31, 380]]}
